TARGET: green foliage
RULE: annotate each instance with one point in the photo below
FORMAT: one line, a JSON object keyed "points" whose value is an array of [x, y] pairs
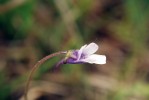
{"points": [[16, 22]]}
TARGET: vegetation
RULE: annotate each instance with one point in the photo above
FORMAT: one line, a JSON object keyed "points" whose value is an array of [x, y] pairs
{"points": [[32, 29]]}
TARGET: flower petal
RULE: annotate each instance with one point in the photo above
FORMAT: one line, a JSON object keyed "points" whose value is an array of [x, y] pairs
{"points": [[80, 51], [95, 59], [90, 49]]}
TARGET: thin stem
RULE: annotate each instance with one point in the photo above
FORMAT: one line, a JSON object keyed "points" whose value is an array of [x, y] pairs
{"points": [[36, 66]]}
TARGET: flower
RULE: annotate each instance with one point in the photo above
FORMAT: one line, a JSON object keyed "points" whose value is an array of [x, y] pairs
{"points": [[85, 55]]}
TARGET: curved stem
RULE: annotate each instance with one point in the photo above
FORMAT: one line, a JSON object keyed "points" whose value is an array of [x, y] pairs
{"points": [[36, 66]]}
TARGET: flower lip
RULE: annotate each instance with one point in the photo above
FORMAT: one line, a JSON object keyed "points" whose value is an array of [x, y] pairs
{"points": [[90, 49]]}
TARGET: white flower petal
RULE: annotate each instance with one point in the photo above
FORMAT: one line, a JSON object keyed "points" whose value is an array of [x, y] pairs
{"points": [[90, 49], [80, 51], [95, 59]]}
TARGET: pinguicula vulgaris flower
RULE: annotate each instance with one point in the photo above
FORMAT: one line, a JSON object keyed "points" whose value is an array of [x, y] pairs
{"points": [[84, 55]]}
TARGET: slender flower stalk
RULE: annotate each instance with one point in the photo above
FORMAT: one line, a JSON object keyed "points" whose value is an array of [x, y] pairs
{"points": [[36, 66]]}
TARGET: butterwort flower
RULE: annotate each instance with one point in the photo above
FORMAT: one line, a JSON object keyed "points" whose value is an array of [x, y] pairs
{"points": [[84, 55]]}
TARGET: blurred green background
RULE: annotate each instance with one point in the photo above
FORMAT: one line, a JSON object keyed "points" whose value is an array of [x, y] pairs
{"points": [[32, 29]]}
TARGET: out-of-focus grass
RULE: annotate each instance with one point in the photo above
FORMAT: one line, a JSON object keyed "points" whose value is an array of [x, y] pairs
{"points": [[16, 22], [48, 26], [134, 31]]}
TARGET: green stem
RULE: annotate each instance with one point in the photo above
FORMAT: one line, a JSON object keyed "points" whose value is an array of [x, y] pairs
{"points": [[36, 66]]}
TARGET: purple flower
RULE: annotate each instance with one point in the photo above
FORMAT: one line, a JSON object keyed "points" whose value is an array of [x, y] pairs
{"points": [[85, 55]]}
